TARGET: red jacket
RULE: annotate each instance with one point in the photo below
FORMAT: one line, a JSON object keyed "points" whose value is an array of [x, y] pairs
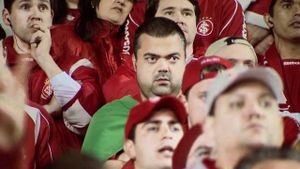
{"points": [[78, 103], [229, 21], [42, 142]]}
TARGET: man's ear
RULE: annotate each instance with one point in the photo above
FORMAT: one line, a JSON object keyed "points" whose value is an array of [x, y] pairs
{"points": [[134, 61], [6, 17], [269, 20], [129, 149]]}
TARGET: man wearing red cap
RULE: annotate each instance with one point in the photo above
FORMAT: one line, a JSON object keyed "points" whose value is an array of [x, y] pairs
{"points": [[160, 61], [152, 132], [197, 79]]}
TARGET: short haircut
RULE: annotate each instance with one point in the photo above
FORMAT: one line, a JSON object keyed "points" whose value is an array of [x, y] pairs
{"points": [[271, 7], [157, 27], [152, 7], [8, 4], [266, 154]]}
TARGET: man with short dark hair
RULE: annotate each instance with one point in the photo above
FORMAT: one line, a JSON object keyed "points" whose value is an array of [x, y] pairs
{"points": [[66, 85], [160, 62], [284, 57], [152, 132]]}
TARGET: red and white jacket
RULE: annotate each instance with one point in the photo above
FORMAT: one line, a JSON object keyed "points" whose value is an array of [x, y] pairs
{"points": [[77, 89]]}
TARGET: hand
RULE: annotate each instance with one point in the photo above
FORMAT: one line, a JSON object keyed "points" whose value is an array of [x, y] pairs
{"points": [[12, 104], [256, 34], [264, 45], [53, 107], [40, 44]]}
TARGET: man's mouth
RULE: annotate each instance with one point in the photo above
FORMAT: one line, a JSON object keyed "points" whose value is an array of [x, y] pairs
{"points": [[295, 23], [118, 9], [162, 81], [166, 151]]}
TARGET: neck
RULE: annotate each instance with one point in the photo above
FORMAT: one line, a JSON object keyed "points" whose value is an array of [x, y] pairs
{"points": [[287, 49], [227, 158], [71, 4], [189, 51], [20, 46]]}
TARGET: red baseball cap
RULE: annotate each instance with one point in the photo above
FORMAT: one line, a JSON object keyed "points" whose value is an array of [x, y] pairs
{"points": [[183, 148], [144, 110], [194, 71]]}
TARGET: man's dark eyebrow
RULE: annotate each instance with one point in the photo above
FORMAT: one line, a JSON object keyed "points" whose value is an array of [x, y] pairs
{"points": [[150, 54], [172, 122], [168, 8], [155, 122], [188, 10], [284, 1]]}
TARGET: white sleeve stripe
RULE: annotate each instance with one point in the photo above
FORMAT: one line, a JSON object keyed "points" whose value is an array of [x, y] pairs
{"points": [[34, 114], [256, 19], [64, 87], [76, 117], [245, 3], [137, 25], [226, 25], [82, 62]]}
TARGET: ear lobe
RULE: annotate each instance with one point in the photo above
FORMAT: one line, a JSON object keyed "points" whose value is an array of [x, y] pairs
{"points": [[134, 62], [6, 17], [269, 20], [129, 149]]}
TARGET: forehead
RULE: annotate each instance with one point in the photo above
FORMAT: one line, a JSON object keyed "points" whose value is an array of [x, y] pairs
{"points": [[161, 45], [175, 4], [32, 1], [241, 52]]}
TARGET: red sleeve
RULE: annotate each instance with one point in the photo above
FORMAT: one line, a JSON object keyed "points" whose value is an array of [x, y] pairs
{"points": [[135, 18], [48, 141], [233, 20], [78, 111]]}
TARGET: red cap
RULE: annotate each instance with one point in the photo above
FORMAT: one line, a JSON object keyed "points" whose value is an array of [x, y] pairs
{"points": [[193, 70], [184, 146], [143, 111]]}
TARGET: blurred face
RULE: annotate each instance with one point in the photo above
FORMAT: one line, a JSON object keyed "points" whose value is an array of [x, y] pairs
{"points": [[27, 16], [183, 13], [247, 116], [160, 65], [197, 102], [286, 19], [203, 146], [114, 11], [242, 55], [156, 140], [277, 164]]}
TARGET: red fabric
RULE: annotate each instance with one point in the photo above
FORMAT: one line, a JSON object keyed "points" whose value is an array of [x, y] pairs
{"points": [[193, 70], [66, 50], [13, 159], [41, 152], [289, 73], [228, 21], [260, 6], [129, 165]]}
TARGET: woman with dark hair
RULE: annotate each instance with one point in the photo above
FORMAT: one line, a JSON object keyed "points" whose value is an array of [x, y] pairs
{"points": [[2, 33], [65, 11], [97, 33]]}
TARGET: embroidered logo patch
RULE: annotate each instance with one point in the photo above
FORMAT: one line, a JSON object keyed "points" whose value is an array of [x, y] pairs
{"points": [[205, 27]]}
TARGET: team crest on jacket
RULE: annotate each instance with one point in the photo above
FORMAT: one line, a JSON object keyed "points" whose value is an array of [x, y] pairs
{"points": [[47, 90], [205, 27]]}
